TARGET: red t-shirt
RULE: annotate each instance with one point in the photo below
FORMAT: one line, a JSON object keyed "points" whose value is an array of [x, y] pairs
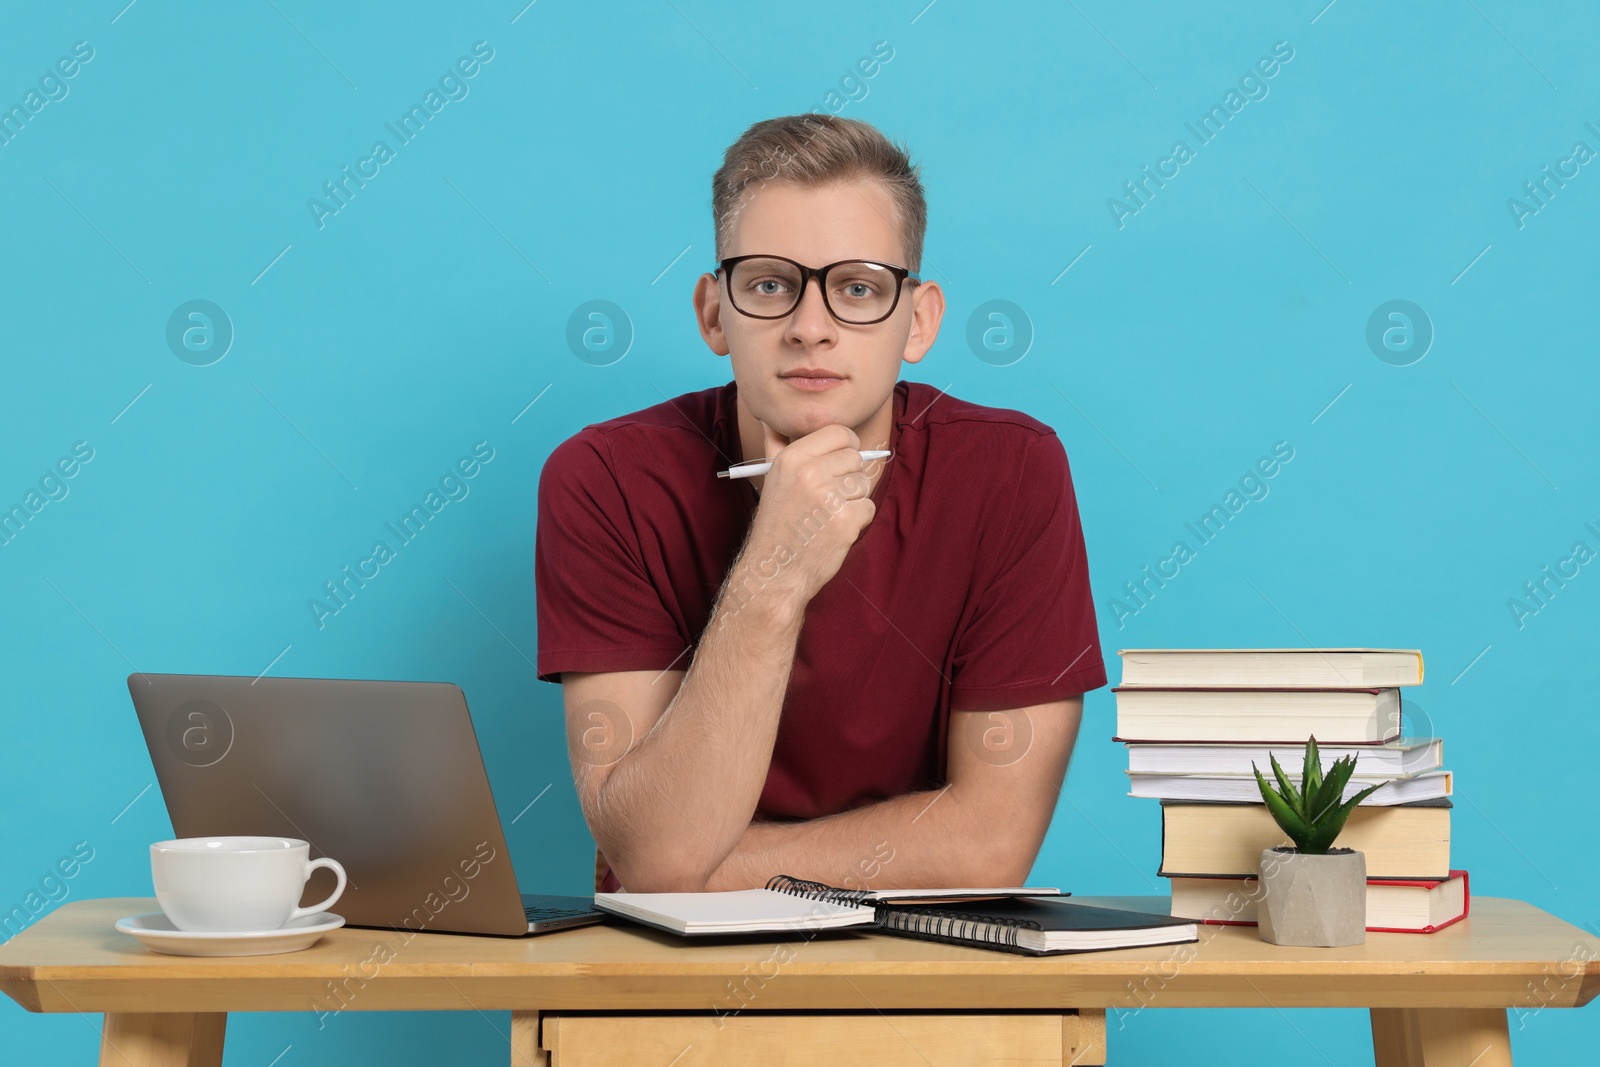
{"points": [[968, 590]]}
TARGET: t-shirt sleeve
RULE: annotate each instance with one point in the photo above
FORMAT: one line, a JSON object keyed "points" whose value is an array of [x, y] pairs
{"points": [[598, 609], [1032, 638]]}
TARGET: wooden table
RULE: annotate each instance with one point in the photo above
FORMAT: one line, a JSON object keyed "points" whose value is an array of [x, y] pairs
{"points": [[604, 995]]}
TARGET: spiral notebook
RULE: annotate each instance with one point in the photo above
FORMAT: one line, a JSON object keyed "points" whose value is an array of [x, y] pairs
{"points": [[1032, 922]]}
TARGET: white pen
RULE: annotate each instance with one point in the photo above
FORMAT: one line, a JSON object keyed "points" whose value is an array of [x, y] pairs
{"points": [[752, 468]]}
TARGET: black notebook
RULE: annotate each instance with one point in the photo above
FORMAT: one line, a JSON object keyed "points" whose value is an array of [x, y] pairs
{"points": [[1032, 925]]}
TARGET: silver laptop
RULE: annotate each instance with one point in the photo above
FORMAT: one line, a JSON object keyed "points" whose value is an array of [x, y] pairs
{"points": [[385, 777]]}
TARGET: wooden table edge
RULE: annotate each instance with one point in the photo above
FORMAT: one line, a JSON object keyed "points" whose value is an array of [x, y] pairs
{"points": [[1102, 980]]}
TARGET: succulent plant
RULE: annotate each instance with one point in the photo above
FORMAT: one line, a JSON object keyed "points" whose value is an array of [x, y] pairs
{"points": [[1313, 813]]}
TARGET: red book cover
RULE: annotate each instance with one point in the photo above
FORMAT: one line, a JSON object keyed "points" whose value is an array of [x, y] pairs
{"points": [[1466, 903], [1425, 883]]}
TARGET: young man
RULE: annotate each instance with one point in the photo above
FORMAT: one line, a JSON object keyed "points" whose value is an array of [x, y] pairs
{"points": [[860, 672]]}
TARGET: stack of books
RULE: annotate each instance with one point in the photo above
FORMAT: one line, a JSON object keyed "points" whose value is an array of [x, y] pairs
{"points": [[1195, 720]]}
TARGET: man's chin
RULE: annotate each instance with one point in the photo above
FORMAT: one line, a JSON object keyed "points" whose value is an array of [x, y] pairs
{"points": [[783, 405], [795, 418]]}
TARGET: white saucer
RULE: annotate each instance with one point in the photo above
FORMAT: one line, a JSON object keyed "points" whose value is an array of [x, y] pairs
{"points": [[159, 935]]}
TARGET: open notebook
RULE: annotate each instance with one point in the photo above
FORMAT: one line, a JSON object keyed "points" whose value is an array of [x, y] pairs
{"points": [[1031, 921]]}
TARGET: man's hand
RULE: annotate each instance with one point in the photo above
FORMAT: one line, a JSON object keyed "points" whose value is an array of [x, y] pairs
{"points": [[815, 501]]}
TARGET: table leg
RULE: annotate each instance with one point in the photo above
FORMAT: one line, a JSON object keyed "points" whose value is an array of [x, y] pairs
{"points": [[1083, 1038], [163, 1039], [1440, 1037], [527, 1049]]}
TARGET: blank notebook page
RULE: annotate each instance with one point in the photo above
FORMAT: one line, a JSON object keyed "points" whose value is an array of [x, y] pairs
{"points": [[735, 911]]}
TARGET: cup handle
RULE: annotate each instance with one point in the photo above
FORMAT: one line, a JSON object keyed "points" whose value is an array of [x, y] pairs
{"points": [[338, 871]]}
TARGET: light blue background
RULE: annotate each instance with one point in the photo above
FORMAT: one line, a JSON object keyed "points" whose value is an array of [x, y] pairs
{"points": [[1225, 316]]}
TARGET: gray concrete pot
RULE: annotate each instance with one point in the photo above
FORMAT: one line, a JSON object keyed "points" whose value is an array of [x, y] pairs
{"points": [[1313, 901]]}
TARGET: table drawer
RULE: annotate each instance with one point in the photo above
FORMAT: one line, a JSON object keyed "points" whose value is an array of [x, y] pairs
{"points": [[775, 1039]]}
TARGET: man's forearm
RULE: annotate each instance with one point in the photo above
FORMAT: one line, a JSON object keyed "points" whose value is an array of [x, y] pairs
{"points": [[677, 803], [908, 841]]}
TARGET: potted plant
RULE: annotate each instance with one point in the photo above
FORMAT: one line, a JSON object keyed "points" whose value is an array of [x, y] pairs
{"points": [[1312, 894]]}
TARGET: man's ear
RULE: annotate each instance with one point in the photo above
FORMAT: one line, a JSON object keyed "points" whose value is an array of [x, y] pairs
{"points": [[927, 311], [708, 313]]}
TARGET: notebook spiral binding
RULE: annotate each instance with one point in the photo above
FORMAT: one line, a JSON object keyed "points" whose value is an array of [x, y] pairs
{"points": [[801, 887], [957, 927]]}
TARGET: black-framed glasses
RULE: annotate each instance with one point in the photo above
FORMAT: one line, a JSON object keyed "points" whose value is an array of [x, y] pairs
{"points": [[859, 292]]}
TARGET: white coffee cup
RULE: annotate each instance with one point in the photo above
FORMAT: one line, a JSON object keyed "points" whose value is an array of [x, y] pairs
{"points": [[236, 884]]}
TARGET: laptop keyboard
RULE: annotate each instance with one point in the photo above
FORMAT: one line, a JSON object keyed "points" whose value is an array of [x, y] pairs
{"points": [[535, 913]]}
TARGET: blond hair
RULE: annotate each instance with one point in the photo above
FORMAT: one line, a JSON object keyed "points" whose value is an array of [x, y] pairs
{"points": [[815, 149]]}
